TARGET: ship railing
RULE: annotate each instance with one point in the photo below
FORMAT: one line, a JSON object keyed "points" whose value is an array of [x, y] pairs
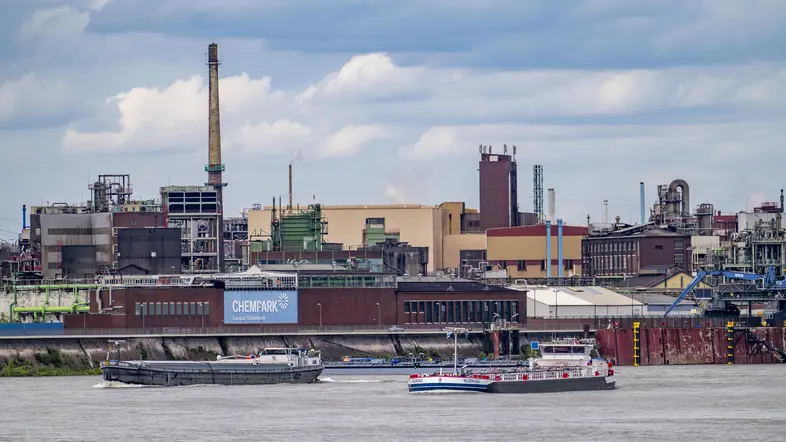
{"points": [[583, 372]]}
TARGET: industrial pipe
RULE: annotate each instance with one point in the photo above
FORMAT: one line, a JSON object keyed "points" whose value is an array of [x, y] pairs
{"points": [[548, 248], [551, 202], [11, 307], [559, 248], [641, 197], [24, 216]]}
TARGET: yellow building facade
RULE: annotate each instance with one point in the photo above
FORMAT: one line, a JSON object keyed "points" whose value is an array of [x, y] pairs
{"points": [[523, 252], [418, 225]]}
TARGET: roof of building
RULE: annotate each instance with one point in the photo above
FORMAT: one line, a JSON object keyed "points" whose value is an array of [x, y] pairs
{"points": [[650, 276], [637, 231], [366, 207], [536, 230], [656, 299], [414, 286], [576, 296]]}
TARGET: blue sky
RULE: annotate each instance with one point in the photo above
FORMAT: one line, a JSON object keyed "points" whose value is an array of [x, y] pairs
{"points": [[384, 101]]}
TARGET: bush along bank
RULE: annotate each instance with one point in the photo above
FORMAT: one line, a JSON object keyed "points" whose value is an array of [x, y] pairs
{"points": [[49, 363]]}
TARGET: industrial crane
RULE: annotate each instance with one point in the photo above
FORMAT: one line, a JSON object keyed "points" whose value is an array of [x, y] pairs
{"points": [[765, 283]]}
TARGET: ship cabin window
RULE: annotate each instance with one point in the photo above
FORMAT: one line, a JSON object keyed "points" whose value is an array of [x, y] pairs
{"points": [[206, 310], [563, 349], [275, 351], [193, 308], [179, 308]]}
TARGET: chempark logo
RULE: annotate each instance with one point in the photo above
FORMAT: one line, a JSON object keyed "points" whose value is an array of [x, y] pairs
{"points": [[262, 306]]}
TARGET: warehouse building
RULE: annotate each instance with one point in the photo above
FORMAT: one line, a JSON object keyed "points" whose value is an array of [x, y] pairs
{"points": [[584, 302]]}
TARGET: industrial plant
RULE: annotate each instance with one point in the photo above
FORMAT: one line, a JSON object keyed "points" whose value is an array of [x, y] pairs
{"points": [[124, 261]]}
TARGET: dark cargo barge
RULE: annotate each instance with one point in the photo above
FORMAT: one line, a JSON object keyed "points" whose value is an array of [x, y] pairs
{"points": [[271, 366]]}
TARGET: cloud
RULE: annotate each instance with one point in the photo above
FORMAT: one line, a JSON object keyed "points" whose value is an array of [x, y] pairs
{"points": [[350, 140], [31, 101], [395, 195]]}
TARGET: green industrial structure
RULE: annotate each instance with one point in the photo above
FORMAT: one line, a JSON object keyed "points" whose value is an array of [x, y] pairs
{"points": [[375, 233], [39, 313], [295, 231]]}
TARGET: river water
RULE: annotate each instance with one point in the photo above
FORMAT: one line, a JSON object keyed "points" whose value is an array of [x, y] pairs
{"points": [[694, 403]]}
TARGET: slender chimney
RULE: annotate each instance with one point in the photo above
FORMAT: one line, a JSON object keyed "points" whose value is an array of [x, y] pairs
{"points": [[641, 201], [291, 207], [551, 202], [215, 169], [24, 212], [781, 200], [548, 248]]}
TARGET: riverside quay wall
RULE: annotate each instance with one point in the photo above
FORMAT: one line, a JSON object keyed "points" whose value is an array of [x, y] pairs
{"points": [[88, 352], [694, 345]]}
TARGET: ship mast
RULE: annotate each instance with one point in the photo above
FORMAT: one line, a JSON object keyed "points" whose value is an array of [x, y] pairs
{"points": [[454, 331]]}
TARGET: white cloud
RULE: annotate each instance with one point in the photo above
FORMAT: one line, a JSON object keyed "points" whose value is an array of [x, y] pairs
{"points": [[395, 195], [371, 98], [350, 140]]}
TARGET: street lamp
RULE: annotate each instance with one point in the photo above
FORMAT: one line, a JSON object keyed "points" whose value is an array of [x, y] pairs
{"points": [[379, 314], [319, 304]]}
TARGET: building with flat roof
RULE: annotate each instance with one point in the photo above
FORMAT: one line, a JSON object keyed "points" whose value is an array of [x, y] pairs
{"points": [[353, 227]]}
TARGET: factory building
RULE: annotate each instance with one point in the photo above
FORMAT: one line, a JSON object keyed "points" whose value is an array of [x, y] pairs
{"points": [[498, 188], [81, 241], [309, 298], [148, 251], [194, 210], [758, 241], [541, 251], [350, 229], [627, 251]]}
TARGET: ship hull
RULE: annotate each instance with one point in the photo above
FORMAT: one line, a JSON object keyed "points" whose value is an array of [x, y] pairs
{"points": [[207, 373], [552, 385]]}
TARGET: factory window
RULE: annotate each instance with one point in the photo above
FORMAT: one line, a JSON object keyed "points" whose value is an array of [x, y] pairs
{"points": [[406, 307], [138, 308], [193, 309], [421, 306], [179, 308], [658, 247], [206, 306], [443, 318], [522, 265], [466, 314], [543, 265], [515, 306], [158, 309], [450, 311], [143, 306], [568, 265], [679, 244], [165, 309], [200, 312], [172, 308]]}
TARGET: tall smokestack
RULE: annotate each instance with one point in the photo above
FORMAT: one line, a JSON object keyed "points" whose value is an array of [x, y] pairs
{"points": [[290, 188], [641, 201], [551, 209], [24, 212], [781, 200], [215, 168]]}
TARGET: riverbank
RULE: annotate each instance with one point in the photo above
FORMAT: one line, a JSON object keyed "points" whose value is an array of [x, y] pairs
{"points": [[41, 357]]}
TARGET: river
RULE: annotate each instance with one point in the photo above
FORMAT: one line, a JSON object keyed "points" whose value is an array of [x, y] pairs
{"points": [[671, 403]]}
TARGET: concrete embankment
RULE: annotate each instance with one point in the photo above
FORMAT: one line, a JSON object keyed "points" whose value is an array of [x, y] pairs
{"points": [[87, 353]]}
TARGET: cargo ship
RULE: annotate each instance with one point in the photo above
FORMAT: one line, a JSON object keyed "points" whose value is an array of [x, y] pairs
{"points": [[270, 366], [563, 366]]}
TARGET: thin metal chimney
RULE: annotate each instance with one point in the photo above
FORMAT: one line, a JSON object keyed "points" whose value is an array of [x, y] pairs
{"points": [[551, 209], [24, 213], [642, 198]]}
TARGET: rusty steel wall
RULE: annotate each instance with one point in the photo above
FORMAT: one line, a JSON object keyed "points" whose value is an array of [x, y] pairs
{"points": [[687, 346]]}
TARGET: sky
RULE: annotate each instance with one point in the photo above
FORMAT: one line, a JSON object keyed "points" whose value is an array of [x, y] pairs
{"points": [[379, 102]]}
